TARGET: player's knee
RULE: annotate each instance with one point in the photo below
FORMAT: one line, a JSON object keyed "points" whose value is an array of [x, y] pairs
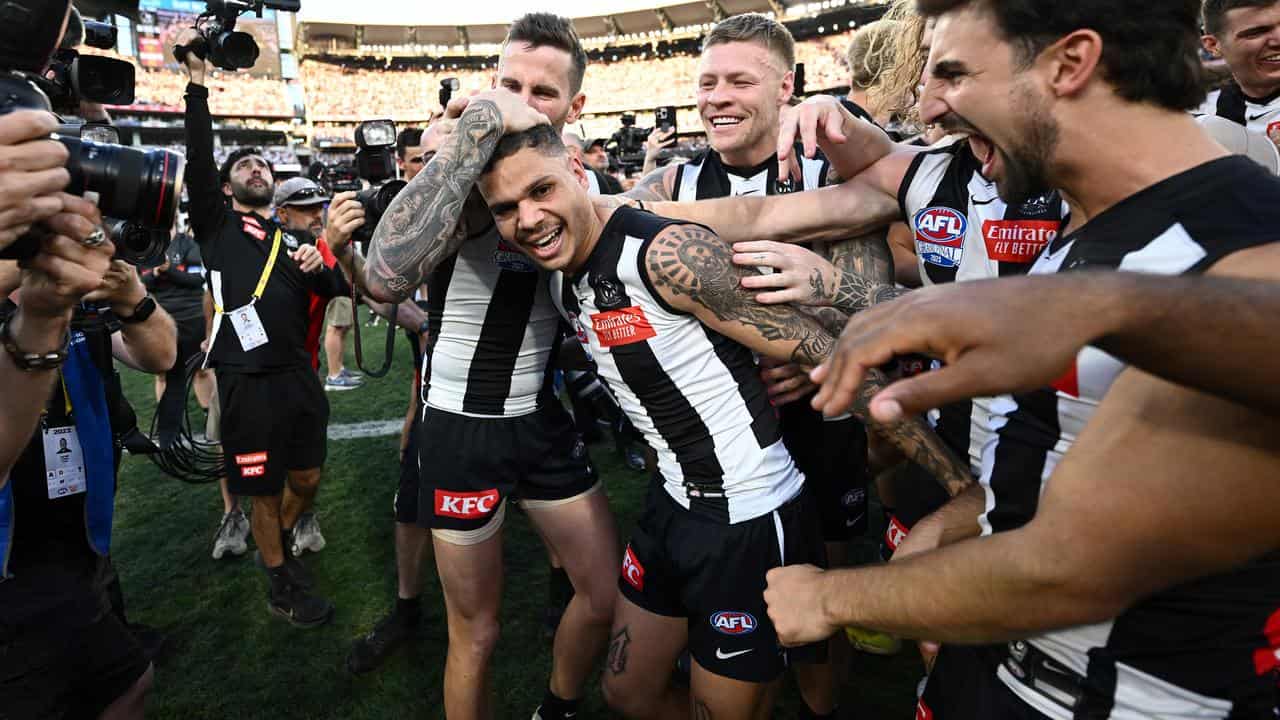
{"points": [[475, 636], [600, 601]]}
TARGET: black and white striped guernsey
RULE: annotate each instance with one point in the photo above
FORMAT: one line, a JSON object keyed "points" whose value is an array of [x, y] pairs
{"points": [[1209, 648], [694, 393], [964, 231], [1261, 115], [707, 177]]}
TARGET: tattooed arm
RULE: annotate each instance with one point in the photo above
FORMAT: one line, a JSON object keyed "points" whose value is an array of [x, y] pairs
{"points": [[692, 270], [656, 186], [433, 215]]}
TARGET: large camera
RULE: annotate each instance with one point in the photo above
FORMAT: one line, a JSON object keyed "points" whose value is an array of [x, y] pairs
{"points": [[628, 144], [219, 42], [141, 186], [376, 163]]}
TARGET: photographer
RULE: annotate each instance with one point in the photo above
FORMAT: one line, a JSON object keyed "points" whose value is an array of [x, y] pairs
{"points": [[65, 652], [274, 412]]}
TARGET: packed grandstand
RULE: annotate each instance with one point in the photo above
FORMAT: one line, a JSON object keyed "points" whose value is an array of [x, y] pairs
{"points": [[325, 77]]}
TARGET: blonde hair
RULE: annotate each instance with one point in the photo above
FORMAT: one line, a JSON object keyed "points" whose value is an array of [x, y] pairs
{"points": [[868, 54], [896, 91]]}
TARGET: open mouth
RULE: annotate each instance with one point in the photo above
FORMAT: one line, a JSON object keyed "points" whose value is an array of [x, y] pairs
{"points": [[985, 151], [724, 122], [546, 246], [1271, 61]]}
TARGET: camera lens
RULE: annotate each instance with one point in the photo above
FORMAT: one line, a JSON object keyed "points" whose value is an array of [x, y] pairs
{"points": [[142, 186], [234, 50], [376, 200], [137, 245]]}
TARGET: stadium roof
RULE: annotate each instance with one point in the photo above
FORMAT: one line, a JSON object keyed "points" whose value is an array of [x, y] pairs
{"points": [[502, 12]]}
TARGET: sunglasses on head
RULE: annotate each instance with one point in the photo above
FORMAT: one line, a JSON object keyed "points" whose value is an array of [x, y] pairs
{"points": [[305, 194]]}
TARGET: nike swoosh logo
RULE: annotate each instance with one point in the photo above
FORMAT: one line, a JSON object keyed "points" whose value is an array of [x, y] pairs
{"points": [[1259, 117], [851, 523], [721, 655], [752, 191]]}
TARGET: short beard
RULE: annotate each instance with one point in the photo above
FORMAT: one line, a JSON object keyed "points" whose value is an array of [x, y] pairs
{"points": [[249, 197], [1027, 163]]}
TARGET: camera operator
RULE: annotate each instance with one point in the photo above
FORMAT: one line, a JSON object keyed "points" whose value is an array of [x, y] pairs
{"points": [[601, 182], [65, 652], [274, 412]]}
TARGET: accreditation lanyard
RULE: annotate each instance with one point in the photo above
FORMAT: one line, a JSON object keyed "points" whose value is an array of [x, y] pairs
{"points": [[245, 320]]}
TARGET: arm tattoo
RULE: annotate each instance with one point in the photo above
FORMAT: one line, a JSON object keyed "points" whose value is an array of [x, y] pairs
{"points": [[426, 223], [866, 273], [692, 261], [652, 187], [617, 658], [915, 439]]}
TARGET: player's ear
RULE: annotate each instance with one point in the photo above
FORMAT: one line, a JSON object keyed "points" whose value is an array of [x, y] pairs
{"points": [[579, 170]]}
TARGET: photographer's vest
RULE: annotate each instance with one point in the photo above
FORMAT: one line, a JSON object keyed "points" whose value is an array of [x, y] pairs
{"points": [[85, 392]]}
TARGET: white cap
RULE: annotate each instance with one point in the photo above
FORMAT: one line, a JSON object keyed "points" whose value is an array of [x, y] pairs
{"points": [[1241, 141]]}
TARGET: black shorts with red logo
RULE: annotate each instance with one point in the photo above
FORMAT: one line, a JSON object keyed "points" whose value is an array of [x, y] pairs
{"points": [[832, 454], [919, 495], [469, 465], [681, 565], [271, 423]]}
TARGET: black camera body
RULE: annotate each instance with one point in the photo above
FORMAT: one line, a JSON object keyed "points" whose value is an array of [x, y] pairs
{"points": [[627, 144], [376, 163], [219, 42]]}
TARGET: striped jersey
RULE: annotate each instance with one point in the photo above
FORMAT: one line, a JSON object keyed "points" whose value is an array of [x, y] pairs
{"points": [[493, 331], [707, 177], [964, 231], [1260, 115], [1209, 648], [694, 393]]}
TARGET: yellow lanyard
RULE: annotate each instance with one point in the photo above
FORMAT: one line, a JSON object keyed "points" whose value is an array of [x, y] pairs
{"points": [[266, 273], [66, 396]]}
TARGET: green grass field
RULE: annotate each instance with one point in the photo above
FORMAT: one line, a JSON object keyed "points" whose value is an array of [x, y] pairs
{"points": [[226, 657]]}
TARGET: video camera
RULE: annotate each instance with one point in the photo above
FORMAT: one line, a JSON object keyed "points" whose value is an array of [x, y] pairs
{"points": [[627, 144], [219, 41], [376, 162], [143, 187]]}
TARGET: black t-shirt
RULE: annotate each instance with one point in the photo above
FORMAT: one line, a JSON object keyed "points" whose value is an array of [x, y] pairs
{"points": [[180, 289], [51, 565], [235, 247]]}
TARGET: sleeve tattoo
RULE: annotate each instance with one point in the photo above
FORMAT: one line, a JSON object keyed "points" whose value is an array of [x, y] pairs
{"points": [[866, 273], [652, 187], [426, 223], [693, 262]]}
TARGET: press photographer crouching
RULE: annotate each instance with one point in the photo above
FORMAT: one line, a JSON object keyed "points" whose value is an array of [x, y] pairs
{"points": [[264, 280]]}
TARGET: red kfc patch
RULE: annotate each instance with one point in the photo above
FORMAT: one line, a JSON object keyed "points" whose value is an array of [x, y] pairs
{"points": [[253, 229], [895, 533], [1018, 241], [467, 506], [251, 458], [253, 470], [1267, 659], [1069, 383], [632, 570], [922, 711], [622, 327]]}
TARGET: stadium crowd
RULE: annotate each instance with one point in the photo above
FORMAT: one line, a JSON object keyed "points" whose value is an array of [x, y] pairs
{"points": [[969, 287]]}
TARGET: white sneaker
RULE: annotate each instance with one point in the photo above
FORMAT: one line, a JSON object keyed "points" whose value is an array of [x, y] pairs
{"points": [[306, 535], [232, 534]]}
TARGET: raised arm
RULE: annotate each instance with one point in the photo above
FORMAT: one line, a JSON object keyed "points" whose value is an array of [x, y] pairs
{"points": [[432, 216]]}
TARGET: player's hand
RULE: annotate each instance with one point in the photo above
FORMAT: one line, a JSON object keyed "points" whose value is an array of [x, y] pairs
{"points": [[517, 116], [924, 537], [784, 382], [799, 275], [346, 215], [995, 337], [794, 597], [121, 287], [308, 258], [819, 119], [32, 172]]}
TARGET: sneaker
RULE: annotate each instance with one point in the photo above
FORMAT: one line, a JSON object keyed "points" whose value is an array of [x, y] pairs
{"points": [[340, 383], [344, 372], [633, 458], [298, 572], [873, 642], [299, 607], [306, 535], [372, 649], [231, 535]]}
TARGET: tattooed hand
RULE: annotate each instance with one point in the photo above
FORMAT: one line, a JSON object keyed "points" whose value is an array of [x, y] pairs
{"points": [[427, 222], [693, 270]]}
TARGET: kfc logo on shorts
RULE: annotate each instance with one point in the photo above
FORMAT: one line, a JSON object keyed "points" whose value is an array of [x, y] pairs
{"points": [[1018, 241], [1267, 660], [253, 471], [632, 570], [895, 533], [922, 711], [466, 506], [251, 458], [940, 236], [622, 327], [728, 622]]}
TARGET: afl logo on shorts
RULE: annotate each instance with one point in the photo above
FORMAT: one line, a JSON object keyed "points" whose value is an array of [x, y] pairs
{"points": [[940, 236], [728, 622], [510, 258]]}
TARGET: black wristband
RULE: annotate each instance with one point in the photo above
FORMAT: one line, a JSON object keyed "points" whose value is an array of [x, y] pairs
{"points": [[145, 308], [29, 361]]}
